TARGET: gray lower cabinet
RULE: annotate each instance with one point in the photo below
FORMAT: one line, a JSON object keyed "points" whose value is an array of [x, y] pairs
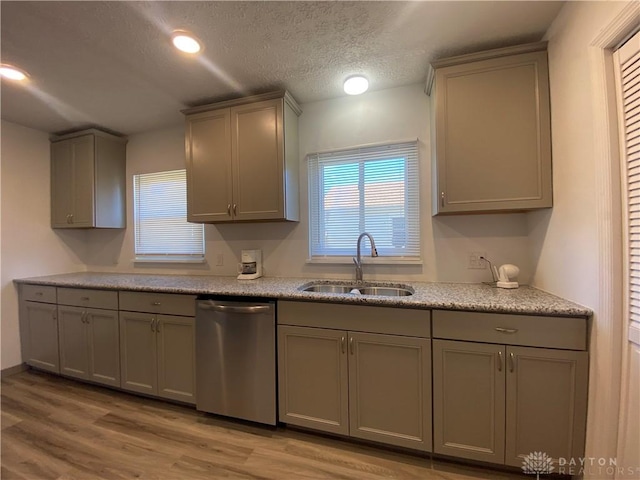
{"points": [[89, 344], [39, 327], [498, 403], [157, 355], [40, 336], [370, 386]]}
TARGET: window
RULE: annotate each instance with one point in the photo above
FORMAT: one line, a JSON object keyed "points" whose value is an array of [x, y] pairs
{"points": [[368, 189], [162, 233]]}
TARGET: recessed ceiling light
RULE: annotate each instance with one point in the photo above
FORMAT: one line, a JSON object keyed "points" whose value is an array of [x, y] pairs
{"points": [[185, 42], [12, 73], [356, 85]]}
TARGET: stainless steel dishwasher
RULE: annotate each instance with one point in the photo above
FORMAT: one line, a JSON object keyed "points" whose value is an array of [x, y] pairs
{"points": [[236, 359]]}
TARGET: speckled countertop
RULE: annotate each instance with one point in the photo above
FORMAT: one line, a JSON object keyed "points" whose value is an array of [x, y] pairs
{"points": [[449, 296]]}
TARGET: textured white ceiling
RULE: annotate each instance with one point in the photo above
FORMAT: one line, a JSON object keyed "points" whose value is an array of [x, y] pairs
{"points": [[111, 64]]}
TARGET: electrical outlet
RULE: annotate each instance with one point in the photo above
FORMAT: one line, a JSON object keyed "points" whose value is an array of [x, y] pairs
{"points": [[476, 262], [219, 260]]}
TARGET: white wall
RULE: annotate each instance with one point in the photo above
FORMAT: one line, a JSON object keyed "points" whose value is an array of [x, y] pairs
{"points": [[388, 115], [29, 246], [565, 241]]}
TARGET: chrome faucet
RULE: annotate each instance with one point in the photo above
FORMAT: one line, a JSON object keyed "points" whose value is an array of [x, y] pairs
{"points": [[357, 260]]}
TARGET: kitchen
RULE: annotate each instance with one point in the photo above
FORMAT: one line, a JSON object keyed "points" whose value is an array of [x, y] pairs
{"points": [[551, 247]]}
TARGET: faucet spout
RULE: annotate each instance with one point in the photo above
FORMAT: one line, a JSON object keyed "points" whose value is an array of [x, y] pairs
{"points": [[357, 260]]}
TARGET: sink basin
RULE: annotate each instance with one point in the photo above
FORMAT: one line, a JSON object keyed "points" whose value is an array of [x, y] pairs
{"points": [[359, 289]]}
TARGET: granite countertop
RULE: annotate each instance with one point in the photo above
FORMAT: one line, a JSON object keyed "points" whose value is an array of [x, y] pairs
{"points": [[448, 296]]}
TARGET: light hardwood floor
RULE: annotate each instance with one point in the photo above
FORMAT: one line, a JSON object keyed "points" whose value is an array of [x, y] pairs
{"points": [[54, 428]]}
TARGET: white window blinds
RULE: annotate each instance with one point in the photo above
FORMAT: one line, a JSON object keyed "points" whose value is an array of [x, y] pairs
{"points": [[628, 76], [368, 189], [162, 232]]}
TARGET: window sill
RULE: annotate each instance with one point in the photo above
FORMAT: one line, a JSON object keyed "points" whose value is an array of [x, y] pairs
{"points": [[348, 260], [169, 259]]}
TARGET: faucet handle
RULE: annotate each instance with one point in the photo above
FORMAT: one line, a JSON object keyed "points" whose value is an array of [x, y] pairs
{"points": [[355, 261]]}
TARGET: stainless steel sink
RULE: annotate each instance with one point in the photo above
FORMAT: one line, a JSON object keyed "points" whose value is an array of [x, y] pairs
{"points": [[359, 289]]}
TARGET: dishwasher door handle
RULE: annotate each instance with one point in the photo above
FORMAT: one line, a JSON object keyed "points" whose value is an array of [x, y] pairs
{"points": [[234, 308]]}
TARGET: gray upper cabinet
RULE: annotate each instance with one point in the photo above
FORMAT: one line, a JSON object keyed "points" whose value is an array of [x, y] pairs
{"points": [[88, 180], [242, 160], [492, 142]]}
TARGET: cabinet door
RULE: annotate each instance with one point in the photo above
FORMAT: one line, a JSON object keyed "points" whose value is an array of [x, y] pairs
{"points": [[103, 346], [176, 357], [138, 366], [468, 400], [493, 141], [83, 184], [313, 378], [74, 351], [61, 184], [390, 389], [41, 322], [208, 159], [258, 161], [546, 403]]}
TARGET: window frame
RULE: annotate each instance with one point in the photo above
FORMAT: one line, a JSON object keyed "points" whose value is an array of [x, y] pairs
{"points": [[198, 257], [316, 179]]}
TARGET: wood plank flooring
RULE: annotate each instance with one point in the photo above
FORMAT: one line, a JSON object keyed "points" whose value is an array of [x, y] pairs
{"points": [[54, 428]]}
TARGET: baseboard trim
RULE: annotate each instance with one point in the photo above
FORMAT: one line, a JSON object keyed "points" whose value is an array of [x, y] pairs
{"points": [[8, 372]]}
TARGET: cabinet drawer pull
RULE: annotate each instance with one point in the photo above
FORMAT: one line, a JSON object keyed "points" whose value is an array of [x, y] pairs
{"points": [[351, 345], [86, 299], [39, 294], [156, 304], [342, 342], [512, 362], [499, 361], [506, 330]]}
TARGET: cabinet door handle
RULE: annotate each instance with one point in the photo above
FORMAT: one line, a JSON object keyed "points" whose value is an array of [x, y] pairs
{"points": [[71, 217], [157, 326], [87, 316], [153, 320], [499, 361], [235, 209], [442, 199], [82, 315], [506, 330], [351, 345], [512, 362], [229, 209], [342, 342]]}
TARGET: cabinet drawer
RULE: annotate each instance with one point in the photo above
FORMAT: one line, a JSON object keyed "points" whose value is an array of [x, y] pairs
{"points": [[358, 318], [528, 330], [166, 303], [83, 297], [39, 293]]}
